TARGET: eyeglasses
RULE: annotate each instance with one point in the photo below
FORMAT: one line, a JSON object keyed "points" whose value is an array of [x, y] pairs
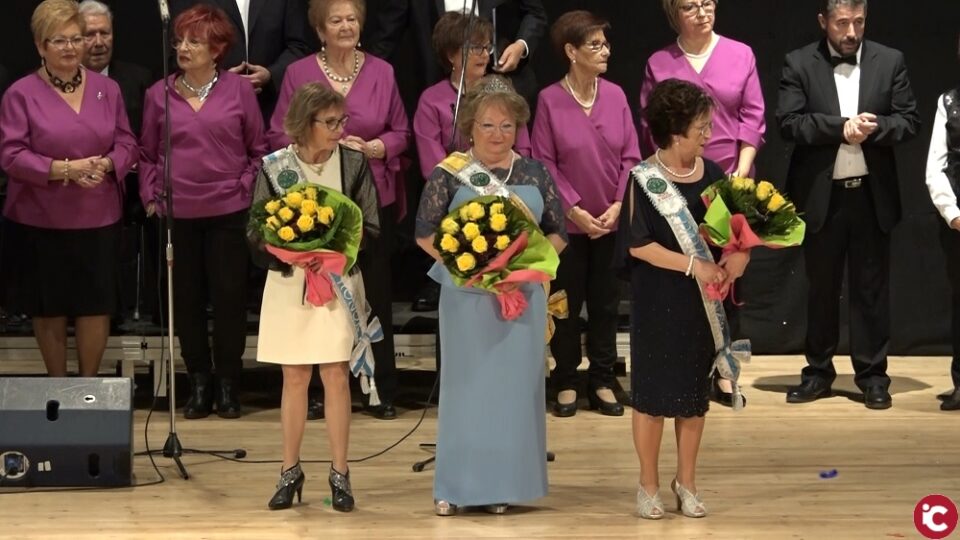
{"points": [[487, 128], [480, 50], [191, 44], [90, 37], [705, 129], [62, 42], [597, 45], [693, 8], [333, 124]]}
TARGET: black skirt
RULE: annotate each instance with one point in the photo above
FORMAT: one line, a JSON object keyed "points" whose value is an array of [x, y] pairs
{"points": [[59, 273]]}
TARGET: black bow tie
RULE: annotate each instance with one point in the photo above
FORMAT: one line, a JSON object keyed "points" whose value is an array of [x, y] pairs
{"points": [[837, 60]]}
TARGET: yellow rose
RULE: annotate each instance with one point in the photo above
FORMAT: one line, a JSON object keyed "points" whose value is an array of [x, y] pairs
{"points": [[776, 202], [308, 207], [285, 214], [325, 215], [765, 190], [271, 207], [498, 222], [273, 222], [293, 199], [479, 245], [475, 211], [449, 244], [305, 223], [748, 184], [471, 231], [310, 193], [737, 182], [496, 208], [464, 216], [286, 234], [466, 262], [449, 226], [503, 241]]}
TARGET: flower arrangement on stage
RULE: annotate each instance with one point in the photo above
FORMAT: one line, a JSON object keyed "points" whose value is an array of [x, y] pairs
{"points": [[314, 227], [493, 243]]}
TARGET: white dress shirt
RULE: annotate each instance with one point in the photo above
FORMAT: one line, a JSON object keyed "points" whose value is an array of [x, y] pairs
{"points": [[850, 162], [458, 6], [244, 7], [941, 192]]}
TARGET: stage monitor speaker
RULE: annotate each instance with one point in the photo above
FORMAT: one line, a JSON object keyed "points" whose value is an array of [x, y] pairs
{"points": [[66, 432]]}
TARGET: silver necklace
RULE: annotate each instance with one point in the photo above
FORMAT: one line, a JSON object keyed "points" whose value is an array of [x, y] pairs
{"points": [[671, 171], [573, 93], [204, 91], [344, 81], [513, 160], [317, 168]]}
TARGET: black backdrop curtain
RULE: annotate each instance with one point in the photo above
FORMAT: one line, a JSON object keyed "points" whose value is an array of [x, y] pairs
{"points": [[773, 289]]}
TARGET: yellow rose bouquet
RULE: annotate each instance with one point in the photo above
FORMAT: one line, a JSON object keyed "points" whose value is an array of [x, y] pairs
{"points": [[311, 223], [492, 244]]}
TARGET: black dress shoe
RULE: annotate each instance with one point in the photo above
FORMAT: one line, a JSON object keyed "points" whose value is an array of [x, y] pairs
{"points": [[427, 299], [952, 402], [228, 400], [200, 404], [811, 390], [877, 397], [384, 411], [946, 395], [606, 408], [723, 398], [565, 410], [314, 408]]}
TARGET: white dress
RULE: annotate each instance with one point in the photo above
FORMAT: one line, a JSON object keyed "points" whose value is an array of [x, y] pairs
{"points": [[294, 331]]}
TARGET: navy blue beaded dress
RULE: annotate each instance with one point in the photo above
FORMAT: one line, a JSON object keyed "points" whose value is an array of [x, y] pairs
{"points": [[671, 346]]}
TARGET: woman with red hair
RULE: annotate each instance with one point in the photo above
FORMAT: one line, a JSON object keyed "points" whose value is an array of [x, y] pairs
{"points": [[216, 133]]}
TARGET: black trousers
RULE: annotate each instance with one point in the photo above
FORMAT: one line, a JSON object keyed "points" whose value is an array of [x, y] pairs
{"points": [[586, 274], [849, 237], [950, 240], [374, 262], [210, 263]]}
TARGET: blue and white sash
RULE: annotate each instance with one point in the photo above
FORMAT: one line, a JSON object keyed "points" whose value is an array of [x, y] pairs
{"points": [[473, 175], [673, 207]]}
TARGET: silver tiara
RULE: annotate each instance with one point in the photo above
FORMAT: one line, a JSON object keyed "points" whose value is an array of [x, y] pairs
{"points": [[495, 85]]}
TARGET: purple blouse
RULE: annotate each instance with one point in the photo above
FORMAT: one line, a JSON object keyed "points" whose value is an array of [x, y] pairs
{"points": [[216, 151], [37, 127], [589, 157], [433, 127], [730, 77], [375, 109]]}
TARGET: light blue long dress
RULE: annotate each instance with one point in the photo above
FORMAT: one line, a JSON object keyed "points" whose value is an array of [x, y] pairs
{"points": [[491, 445]]}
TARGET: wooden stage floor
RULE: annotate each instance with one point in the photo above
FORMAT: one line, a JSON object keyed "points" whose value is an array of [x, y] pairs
{"points": [[759, 472]]}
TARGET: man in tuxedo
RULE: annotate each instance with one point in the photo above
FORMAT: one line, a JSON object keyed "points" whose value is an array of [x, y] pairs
{"points": [[271, 34], [845, 103], [519, 26]]}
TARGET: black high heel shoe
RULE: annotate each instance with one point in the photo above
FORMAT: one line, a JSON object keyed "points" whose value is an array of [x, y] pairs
{"points": [[341, 494], [606, 408], [719, 396], [291, 481]]}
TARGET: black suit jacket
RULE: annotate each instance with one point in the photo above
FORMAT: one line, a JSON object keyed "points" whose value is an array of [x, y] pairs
{"points": [[133, 81], [515, 19], [808, 112], [279, 35]]}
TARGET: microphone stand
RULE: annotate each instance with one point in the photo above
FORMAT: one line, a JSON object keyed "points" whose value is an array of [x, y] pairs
{"points": [[172, 448]]}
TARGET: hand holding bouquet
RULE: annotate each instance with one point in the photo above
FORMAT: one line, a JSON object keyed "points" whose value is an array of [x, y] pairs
{"points": [[492, 244], [313, 227]]}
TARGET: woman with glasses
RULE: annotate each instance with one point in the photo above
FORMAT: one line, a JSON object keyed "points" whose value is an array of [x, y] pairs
{"points": [[584, 134], [216, 133], [66, 145], [727, 71], [491, 445], [294, 333], [672, 347], [380, 129]]}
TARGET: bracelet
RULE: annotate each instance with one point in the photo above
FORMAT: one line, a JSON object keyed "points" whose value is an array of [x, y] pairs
{"points": [[66, 171], [689, 271]]}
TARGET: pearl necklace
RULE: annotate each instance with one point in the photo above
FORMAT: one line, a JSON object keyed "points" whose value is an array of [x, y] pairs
{"points": [[671, 171], [573, 93], [203, 92], [344, 81], [513, 160]]}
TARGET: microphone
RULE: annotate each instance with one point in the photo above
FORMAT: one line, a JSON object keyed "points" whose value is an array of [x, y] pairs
{"points": [[164, 10]]}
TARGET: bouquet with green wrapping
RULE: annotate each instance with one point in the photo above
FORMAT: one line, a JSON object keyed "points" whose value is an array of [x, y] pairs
{"points": [[493, 243]]}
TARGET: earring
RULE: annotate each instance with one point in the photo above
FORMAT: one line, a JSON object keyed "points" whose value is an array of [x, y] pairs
{"points": [[359, 45], [574, 60]]}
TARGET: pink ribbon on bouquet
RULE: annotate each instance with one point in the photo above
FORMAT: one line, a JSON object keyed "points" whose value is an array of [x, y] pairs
{"points": [[319, 286], [742, 238], [512, 300]]}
